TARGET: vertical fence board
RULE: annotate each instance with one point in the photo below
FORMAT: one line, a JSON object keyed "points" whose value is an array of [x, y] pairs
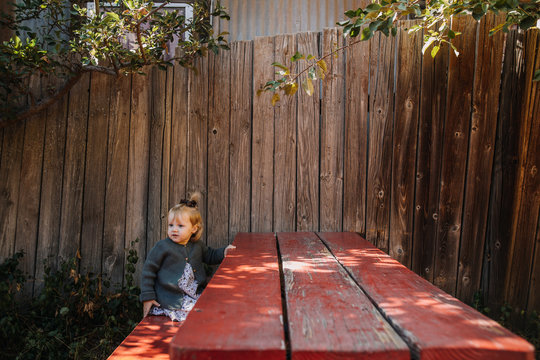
{"points": [[380, 140], [332, 127], [197, 135], [26, 232], [262, 178], [285, 145], [482, 141], [409, 62], [74, 161], [456, 139], [527, 205], [137, 180], [240, 137], [433, 96], [114, 228], [534, 287], [503, 188], [179, 136], [9, 187], [307, 167], [356, 137], [158, 83], [51, 188], [166, 153], [218, 148], [95, 176]]}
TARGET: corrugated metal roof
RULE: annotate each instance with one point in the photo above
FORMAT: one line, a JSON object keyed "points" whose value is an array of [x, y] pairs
{"points": [[251, 18]]}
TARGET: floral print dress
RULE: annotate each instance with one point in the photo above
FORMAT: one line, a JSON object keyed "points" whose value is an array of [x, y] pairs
{"points": [[189, 285]]}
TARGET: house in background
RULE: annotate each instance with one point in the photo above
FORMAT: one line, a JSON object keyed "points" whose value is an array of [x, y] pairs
{"points": [[251, 18]]}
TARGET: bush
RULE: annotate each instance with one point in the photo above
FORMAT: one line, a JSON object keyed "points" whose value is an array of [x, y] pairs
{"points": [[74, 317]]}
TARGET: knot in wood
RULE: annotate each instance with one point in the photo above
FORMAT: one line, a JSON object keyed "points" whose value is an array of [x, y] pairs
{"points": [[380, 194], [435, 216], [409, 104]]}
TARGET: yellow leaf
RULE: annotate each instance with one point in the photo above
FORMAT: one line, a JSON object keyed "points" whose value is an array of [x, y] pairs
{"points": [[259, 92], [307, 85], [322, 65], [319, 72], [275, 99], [290, 89]]}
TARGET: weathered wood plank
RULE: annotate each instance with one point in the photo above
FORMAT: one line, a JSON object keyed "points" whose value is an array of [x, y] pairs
{"points": [[262, 178], [74, 168], [258, 333], [434, 324], [218, 148], [95, 176], [149, 340], [197, 138], [332, 126], [114, 228], [534, 287], [240, 138], [307, 167], [26, 232], [285, 145], [527, 206], [485, 102], [409, 65], [356, 136], [454, 158], [380, 140], [179, 136], [138, 155], [329, 316], [157, 98], [505, 164], [166, 153], [51, 188], [429, 153]]}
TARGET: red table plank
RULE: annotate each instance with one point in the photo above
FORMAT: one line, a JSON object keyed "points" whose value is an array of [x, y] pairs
{"points": [[329, 315], [435, 324], [149, 340], [239, 314]]}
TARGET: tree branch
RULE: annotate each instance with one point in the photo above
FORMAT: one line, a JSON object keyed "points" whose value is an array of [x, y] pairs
{"points": [[40, 106]]}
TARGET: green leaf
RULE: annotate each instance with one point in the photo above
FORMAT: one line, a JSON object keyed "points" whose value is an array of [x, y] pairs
{"points": [[526, 23], [435, 50], [350, 14], [64, 311], [536, 76], [373, 7], [281, 66], [297, 56], [451, 34], [366, 34]]}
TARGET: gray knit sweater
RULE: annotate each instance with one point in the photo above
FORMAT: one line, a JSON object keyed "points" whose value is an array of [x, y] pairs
{"points": [[165, 264]]}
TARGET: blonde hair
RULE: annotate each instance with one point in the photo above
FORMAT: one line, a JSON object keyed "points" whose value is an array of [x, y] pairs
{"points": [[191, 209]]}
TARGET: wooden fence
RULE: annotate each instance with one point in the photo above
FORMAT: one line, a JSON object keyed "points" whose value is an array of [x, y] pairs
{"points": [[433, 160]]}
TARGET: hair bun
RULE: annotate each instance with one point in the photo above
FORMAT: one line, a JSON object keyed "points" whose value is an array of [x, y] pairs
{"points": [[196, 196]]}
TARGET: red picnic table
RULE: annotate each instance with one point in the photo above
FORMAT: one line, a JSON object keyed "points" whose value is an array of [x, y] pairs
{"points": [[318, 296]]}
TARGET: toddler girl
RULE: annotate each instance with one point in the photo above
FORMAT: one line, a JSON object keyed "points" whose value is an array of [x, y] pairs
{"points": [[173, 272]]}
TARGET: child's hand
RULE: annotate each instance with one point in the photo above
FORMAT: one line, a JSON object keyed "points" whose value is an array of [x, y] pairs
{"points": [[147, 305], [228, 248]]}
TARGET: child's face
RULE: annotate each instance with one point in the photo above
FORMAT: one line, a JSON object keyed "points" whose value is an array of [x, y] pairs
{"points": [[180, 228]]}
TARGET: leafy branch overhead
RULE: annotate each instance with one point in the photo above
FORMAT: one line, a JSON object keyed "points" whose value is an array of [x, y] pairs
{"points": [[434, 19], [118, 37]]}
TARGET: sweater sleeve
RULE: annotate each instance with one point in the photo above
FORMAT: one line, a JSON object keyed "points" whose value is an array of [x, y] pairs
{"points": [[149, 273], [213, 256]]}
